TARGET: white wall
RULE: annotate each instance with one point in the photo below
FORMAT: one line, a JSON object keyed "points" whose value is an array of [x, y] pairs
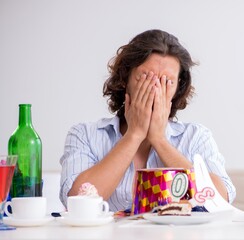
{"points": [[54, 54]]}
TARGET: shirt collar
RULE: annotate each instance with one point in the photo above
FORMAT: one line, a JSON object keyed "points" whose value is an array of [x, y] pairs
{"points": [[174, 129], [108, 123]]}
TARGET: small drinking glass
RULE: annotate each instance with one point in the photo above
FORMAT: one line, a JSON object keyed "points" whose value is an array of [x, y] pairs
{"points": [[7, 166]]}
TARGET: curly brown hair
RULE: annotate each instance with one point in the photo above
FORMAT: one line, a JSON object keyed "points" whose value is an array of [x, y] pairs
{"points": [[134, 54]]}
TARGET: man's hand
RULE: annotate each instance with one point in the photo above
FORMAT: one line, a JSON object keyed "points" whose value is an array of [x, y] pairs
{"points": [[139, 104], [161, 109]]}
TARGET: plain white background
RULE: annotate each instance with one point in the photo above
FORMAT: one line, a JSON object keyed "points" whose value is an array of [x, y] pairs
{"points": [[54, 54]]}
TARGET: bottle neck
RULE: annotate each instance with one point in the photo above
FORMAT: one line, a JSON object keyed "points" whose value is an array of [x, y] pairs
{"points": [[25, 114]]}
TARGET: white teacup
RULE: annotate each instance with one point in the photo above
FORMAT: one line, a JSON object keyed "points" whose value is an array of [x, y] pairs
{"points": [[27, 207], [87, 207]]}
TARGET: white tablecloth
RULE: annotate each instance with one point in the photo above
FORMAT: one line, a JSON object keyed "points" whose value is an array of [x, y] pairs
{"points": [[130, 229]]}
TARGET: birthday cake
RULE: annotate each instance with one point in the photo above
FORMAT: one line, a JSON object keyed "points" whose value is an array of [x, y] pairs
{"points": [[175, 208]]}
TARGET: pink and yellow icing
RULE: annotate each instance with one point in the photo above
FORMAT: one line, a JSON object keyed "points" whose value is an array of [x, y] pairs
{"points": [[87, 189]]}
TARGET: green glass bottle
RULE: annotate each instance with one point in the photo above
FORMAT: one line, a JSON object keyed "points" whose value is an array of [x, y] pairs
{"points": [[26, 143]]}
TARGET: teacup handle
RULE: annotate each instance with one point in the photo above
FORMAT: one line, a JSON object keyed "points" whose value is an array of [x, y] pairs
{"points": [[7, 204], [105, 207]]}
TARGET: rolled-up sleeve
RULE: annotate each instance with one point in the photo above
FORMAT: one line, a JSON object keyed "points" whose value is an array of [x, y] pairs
{"points": [[215, 162], [77, 158]]}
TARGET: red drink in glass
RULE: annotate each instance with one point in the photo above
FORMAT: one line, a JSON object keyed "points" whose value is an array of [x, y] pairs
{"points": [[7, 166], [6, 174]]}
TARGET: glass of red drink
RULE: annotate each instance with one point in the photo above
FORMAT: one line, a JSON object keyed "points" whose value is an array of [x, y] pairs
{"points": [[7, 166]]}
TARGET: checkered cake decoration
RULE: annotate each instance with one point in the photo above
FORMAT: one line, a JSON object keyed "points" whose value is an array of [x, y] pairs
{"points": [[153, 187]]}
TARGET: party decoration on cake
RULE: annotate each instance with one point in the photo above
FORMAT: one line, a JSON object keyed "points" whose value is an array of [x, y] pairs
{"points": [[87, 189], [179, 186], [200, 197], [153, 187]]}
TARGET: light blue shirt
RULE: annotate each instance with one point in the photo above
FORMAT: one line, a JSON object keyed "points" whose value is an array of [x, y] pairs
{"points": [[87, 144]]}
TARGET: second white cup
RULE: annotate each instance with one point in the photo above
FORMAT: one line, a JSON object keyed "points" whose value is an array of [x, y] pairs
{"points": [[86, 207], [27, 207]]}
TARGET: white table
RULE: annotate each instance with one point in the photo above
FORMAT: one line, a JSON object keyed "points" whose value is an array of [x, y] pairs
{"points": [[130, 229]]}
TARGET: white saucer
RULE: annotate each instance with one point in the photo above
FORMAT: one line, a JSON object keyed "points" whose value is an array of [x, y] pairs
{"points": [[27, 222], [195, 218], [66, 214], [85, 223]]}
